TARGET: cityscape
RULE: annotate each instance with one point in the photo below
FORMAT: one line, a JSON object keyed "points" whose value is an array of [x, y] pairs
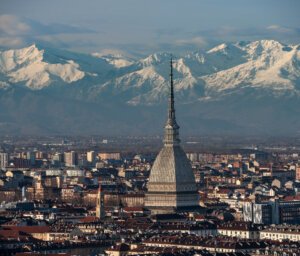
{"points": [[112, 203], [149, 128]]}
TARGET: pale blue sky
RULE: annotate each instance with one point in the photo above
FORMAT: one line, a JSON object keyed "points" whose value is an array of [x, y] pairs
{"points": [[94, 25]]}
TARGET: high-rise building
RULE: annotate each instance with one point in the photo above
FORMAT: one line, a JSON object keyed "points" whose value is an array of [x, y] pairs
{"points": [[297, 173], [70, 158], [57, 159], [115, 156], [192, 156], [40, 155], [273, 212], [171, 185], [91, 156], [31, 157], [4, 158]]}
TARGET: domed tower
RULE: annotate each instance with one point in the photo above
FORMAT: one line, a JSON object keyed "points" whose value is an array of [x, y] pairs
{"points": [[171, 185]]}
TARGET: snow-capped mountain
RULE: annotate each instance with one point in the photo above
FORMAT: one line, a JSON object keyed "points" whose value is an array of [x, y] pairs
{"points": [[228, 68], [224, 69], [269, 65], [243, 86], [28, 66], [114, 58], [37, 68]]}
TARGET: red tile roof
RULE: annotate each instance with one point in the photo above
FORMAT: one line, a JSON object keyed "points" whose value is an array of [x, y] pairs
{"points": [[133, 209], [31, 229], [223, 191], [200, 217], [89, 219], [12, 234], [292, 198]]}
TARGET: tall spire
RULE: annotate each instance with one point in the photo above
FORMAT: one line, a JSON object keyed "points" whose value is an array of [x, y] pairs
{"points": [[171, 128], [171, 110], [171, 185]]}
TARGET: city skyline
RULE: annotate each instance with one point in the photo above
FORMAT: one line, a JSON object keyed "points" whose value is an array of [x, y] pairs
{"points": [[88, 88]]}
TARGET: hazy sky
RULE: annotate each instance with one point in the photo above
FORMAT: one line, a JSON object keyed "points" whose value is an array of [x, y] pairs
{"points": [[140, 25]]}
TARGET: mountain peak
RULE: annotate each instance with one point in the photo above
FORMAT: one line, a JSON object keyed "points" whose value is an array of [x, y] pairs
{"points": [[114, 57], [12, 59], [155, 58], [27, 67], [217, 48]]}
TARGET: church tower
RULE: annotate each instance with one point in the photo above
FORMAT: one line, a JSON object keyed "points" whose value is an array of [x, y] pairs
{"points": [[100, 211], [171, 185]]}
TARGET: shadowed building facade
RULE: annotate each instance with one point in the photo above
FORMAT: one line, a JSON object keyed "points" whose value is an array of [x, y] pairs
{"points": [[100, 211], [171, 185]]}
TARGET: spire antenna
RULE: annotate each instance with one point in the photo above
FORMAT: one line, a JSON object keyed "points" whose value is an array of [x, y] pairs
{"points": [[171, 128], [171, 110]]}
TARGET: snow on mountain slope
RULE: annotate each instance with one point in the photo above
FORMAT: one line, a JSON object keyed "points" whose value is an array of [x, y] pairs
{"points": [[270, 66], [147, 84], [244, 87], [140, 84], [119, 63], [229, 68], [27, 65], [68, 72], [138, 78], [154, 59], [217, 48], [262, 65], [219, 58], [188, 80], [116, 59], [201, 76]]}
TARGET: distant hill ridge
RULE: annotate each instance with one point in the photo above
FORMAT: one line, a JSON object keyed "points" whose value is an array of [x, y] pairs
{"points": [[242, 87]]}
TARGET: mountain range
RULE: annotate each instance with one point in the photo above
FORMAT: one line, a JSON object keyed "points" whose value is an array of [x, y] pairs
{"points": [[244, 88]]}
